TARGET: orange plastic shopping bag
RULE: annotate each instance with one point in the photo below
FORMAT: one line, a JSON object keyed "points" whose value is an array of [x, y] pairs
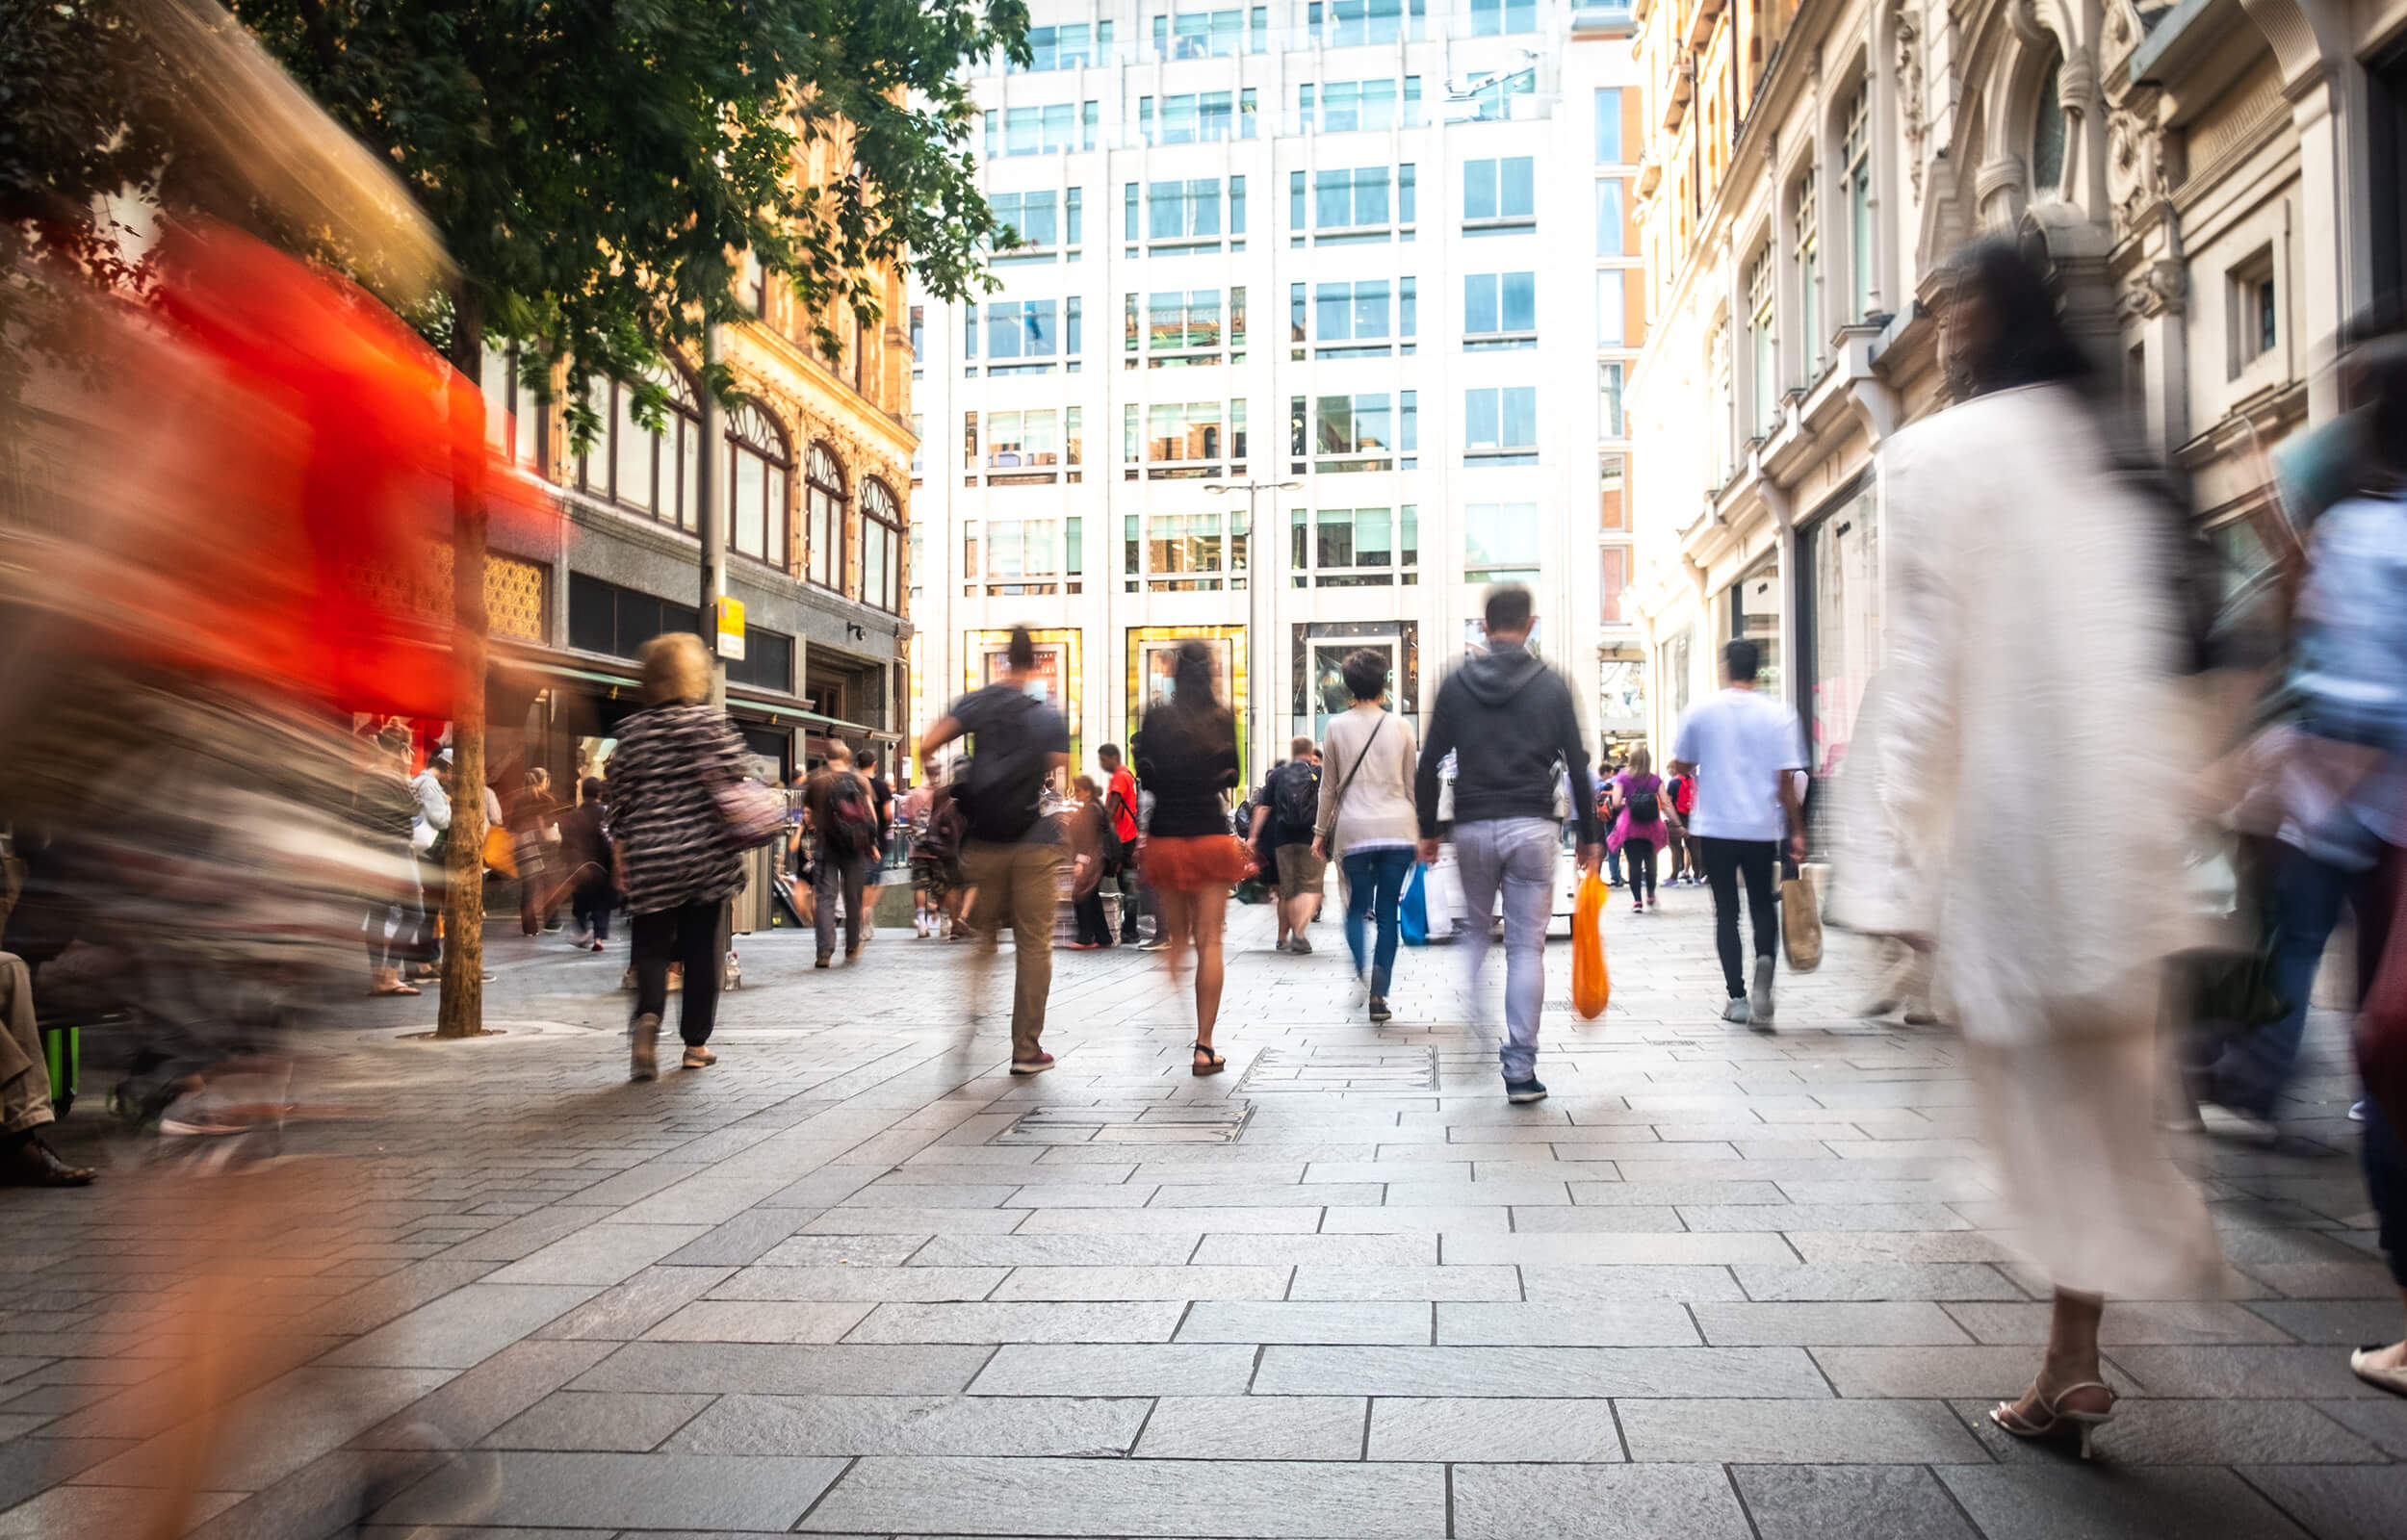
{"points": [[1591, 986]]}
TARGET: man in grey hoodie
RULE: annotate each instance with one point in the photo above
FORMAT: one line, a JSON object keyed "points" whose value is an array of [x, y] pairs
{"points": [[1508, 721]]}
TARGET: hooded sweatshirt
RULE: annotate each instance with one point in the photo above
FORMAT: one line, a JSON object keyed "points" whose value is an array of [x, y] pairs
{"points": [[1506, 718]]}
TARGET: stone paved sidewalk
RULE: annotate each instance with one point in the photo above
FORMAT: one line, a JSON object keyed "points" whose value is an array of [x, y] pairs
{"points": [[857, 1280]]}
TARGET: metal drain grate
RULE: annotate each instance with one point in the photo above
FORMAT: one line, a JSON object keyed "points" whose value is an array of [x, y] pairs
{"points": [[1355, 1070], [1189, 1123]]}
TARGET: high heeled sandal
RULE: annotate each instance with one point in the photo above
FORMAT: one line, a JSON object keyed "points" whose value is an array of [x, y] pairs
{"points": [[1213, 1063], [2059, 1420]]}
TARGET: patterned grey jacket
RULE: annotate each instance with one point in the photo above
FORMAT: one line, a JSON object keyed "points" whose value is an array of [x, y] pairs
{"points": [[670, 762]]}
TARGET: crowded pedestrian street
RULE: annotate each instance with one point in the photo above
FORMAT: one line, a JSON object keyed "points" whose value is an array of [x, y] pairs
{"points": [[855, 1279]]}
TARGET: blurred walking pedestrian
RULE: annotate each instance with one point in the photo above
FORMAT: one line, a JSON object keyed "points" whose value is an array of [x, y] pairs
{"points": [[529, 818], [1120, 806], [1011, 855], [1084, 822], [1187, 759], [2013, 522], [1636, 800], [588, 867], [674, 758], [1742, 744], [840, 805], [1366, 819], [1283, 814], [1509, 720], [385, 810]]}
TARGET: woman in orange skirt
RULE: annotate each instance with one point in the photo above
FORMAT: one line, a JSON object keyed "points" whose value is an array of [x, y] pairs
{"points": [[1186, 756]]}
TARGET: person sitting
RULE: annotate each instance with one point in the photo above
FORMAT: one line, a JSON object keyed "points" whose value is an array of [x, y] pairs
{"points": [[26, 1160]]}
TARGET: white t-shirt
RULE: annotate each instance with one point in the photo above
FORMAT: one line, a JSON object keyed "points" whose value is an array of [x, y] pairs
{"points": [[1741, 743]]}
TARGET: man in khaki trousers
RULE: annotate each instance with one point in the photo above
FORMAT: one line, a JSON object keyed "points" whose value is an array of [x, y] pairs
{"points": [[1013, 854], [25, 1161]]}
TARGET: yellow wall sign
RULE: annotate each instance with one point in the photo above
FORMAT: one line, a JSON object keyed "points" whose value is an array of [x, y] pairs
{"points": [[732, 629]]}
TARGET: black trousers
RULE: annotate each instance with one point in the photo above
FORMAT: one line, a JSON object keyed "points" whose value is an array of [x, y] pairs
{"points": [[1132, 898], [689, 935], [1638, 857], [1094, 926], [1726, 861]]}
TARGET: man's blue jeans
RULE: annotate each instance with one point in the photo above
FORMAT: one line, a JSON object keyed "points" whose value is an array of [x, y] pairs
{"points": [[1374, 883], [1518, 855], [2252, 1071]]}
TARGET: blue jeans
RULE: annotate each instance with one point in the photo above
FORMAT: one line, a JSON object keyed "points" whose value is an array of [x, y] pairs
{"points": [[1518, 855], [1374, 883], [2252, 1071]]}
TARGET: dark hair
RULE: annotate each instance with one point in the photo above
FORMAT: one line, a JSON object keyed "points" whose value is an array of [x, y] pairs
{"points": [[1022, 653], [1109, 754], [1366, 673], [1742, 658], [2025, 341], [1508, 608], [394, 740], [866, 760], [1191, 679], [593, 788]]}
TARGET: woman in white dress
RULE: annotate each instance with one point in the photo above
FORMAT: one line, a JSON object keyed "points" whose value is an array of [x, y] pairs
{"points": [[2024, 790]]}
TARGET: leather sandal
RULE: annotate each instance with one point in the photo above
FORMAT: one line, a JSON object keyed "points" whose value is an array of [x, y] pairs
{"points": [[2058, 1423]]}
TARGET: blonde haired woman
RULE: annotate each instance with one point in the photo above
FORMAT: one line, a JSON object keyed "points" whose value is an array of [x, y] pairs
{"points": [[678, 867]]}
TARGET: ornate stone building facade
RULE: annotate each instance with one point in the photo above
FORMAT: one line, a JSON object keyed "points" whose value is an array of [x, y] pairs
{"points": [[2206, 179]]}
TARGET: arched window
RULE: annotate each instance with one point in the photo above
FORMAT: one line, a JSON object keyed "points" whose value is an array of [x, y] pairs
{"points": [[824, 524], [2047, 134], [881, 547], [759, 468], [654, 473]]}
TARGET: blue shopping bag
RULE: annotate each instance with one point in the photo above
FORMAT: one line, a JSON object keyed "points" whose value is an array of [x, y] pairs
{"points": [[1412, 914]]}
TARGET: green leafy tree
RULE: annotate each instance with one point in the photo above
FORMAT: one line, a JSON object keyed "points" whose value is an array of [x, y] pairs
{"points": [[595, 169]]}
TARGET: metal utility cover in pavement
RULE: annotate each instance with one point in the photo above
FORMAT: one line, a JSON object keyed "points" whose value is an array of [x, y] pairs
{"points": [[1149, 1123], [1356, 1070]]}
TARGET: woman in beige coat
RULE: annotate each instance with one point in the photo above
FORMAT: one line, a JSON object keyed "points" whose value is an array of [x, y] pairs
{"points": [[2025, 785], [1367, 820]]}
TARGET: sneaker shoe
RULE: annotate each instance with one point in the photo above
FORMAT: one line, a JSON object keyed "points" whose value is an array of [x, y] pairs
{"points": [[1299, 947], [1379, 1008], [1153, 945], [1032, 1066], [1736, 1010], [644, 1062], [1759, 1007], [1518, 1091]]}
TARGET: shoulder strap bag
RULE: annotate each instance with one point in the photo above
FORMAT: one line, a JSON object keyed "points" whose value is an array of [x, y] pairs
{"points": [[1338, 804]]}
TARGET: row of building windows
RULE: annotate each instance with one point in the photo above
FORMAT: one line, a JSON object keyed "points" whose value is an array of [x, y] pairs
{"points": [[1217, 117], [657, 471], [1204, 33]]}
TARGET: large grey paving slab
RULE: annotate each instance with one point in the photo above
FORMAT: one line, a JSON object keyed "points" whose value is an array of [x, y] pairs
{"points": [[1890, 1323], [1862, 1502], [1595, 1502], [1145, 1283], [1559, 1283], [1539, 1371], [2127, 1324], [1307, 1321], [760, 1321], [1254, 1428], [2384, 1421], [1324, 1250], [1314, 1282], [2150, 1431], [1299, 1219], [1644, 1247], [1878, 1280], [1944, 1373], [465, 1326], [627, 1310], [1085, 1321], [575, 1490], [857, 1369], [598, 1254], [1463, 1429], [1790, 1432], [622, 1420], [1056, 1250], [1027, 1425], [471, 1404], [2338, 1502], [1131, 1498], [1136, 1368], [873, 1284], [2092, 1502], [2244, 1371], [1550, 1324], [844, 1250], [276, 1429]]}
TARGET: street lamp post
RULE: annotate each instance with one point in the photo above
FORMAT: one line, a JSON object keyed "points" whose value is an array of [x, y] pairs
{"points": [[1256, 677]]}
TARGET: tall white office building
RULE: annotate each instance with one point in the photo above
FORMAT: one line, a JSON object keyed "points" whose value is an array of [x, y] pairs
{"points": [[1318, 330]]}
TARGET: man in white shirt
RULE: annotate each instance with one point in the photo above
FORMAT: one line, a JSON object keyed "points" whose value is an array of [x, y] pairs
{"points": [[1741, 745]]}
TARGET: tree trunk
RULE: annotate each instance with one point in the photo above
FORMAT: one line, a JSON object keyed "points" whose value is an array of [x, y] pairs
{"points": [[460, 1012]]}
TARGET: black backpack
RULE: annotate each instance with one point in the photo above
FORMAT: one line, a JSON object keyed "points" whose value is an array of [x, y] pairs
{"points": [[1295, 801], [1644, 807], [851, 824], [1000, 793], [940, 841]]}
